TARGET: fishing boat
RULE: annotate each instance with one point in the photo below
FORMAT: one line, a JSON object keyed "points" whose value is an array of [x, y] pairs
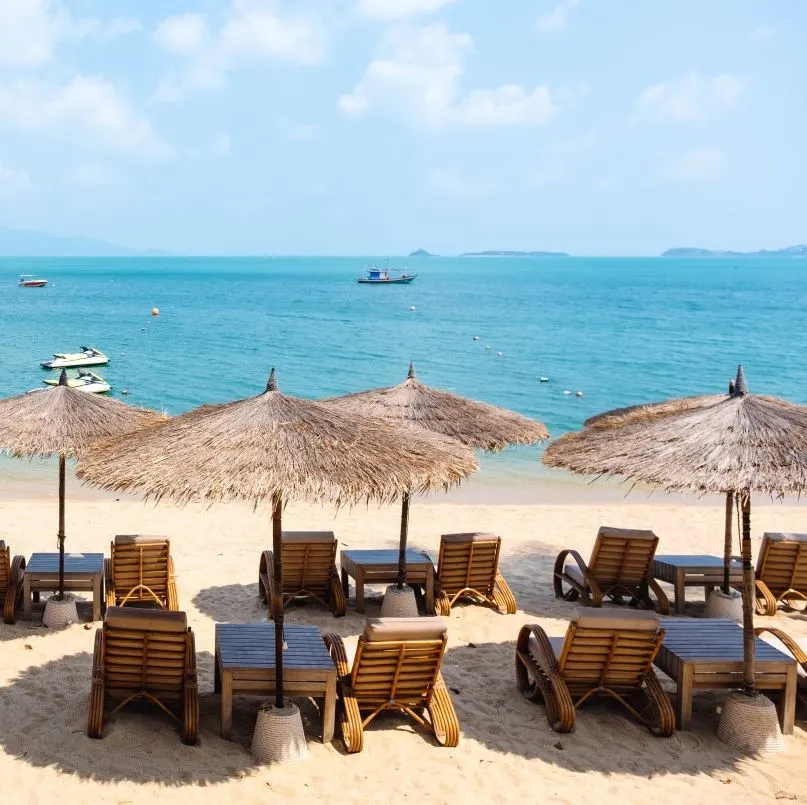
{"points": [[31, 281], [376, 275], [84, 381], [89, 356]]}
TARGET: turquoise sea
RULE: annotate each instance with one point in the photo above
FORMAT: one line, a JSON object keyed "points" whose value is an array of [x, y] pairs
{"points": [[621, 330]]}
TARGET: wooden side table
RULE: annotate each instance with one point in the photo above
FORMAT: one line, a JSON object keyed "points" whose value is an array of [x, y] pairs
{"points": [[693, 570], [381, 567], [245, 664], [83, 572]]}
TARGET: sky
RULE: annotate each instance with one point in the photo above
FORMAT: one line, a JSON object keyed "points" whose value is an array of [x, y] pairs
{"points": [[374, 127]]}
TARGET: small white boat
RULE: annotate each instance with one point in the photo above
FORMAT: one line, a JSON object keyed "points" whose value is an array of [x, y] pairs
{"points": [[89, 356], [31, 281], [84, 381]]}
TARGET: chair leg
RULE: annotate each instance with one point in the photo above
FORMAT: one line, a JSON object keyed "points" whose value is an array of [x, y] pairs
{"points": [[95, 718], [190, 715], [503, 597], [264, 576], [765, 600], [14, 591], [659, 715], [443, 717], [349, 715], [337, 595], [442, 604], [109, 584]]}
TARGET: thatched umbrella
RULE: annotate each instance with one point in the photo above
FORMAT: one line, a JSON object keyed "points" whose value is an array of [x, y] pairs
{"points": [[63, 421], [475, 424], [733, 445], [276, 448]]}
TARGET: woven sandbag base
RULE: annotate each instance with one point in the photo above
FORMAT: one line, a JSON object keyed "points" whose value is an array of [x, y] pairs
{"points": [[279, 736], [721, 605], [750, 723], [399, 603], [60, 613]]}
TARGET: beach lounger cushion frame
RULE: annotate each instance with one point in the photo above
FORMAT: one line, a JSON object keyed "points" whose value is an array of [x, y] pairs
{"points": [[621, 566], [468, 567], [145, 655], [396, 667], [798, 653], [11, 578], [141, 572], [602, 654], [781, 574]]}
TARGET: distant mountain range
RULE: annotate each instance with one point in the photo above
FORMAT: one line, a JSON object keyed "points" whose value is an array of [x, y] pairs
{"points": [[29, 243], [789, 251]]}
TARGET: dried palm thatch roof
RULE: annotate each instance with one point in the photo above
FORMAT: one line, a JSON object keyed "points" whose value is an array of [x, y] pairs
{"points": [[473, 423], [274, 443], [61, 420], [711, 444]]}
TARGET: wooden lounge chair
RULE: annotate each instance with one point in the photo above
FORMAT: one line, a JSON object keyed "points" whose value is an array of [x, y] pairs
{"points": [[605, 652], [11, 572], [468, 567], [621, 565], [781, 571], [797, 651], [141, 572], [309, 570], [397, 667], [144, 654]]}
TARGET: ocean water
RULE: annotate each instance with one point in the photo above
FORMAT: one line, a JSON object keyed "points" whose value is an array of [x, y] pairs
{"points": [[621, 330]]}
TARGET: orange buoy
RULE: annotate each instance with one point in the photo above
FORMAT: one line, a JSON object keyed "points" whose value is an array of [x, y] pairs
{"points": [[155, 311]]}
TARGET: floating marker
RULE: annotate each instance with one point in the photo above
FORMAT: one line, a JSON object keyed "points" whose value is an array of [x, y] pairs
{"points": [[476, 338], [413, 308], [578, 394], [567, 392], [543, 379], [487, 346], [500, 354], [125, 391], [155, 311]]}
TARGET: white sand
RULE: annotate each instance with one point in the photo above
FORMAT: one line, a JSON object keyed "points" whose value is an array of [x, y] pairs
{"points": [[507, 752]]}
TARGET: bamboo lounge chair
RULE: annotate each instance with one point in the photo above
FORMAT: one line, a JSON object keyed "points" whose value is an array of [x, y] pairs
{"points": [[144, 654], [309, 570], [396, 667], [141, 572], [605, 652], [781, 571], [468, 567], [621, 565], [797, 651], [11, 573]]}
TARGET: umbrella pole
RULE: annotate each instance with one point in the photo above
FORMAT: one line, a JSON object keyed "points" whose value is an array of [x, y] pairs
{"points": [[277, 594], [727, 546], [401, 580], [748, 596], [61, 526]]}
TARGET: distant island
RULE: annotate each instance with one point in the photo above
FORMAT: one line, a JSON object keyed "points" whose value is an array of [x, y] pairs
{"points": [[505, 253], [789, 251], [29, 243], [422, 253]]}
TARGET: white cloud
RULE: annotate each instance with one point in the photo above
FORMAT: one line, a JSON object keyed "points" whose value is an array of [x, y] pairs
{"points": [[253, 31], [296, 131], [31, 30], [698, 166], [14, 183], [418, 78], [762, 34], [557, 19], [86, 109], [689, 99], [398, 9]]}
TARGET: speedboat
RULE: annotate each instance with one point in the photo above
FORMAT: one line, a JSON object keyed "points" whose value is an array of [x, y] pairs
{"points": [[31, 281], [89, 356], [84, 381], [381, 276]]}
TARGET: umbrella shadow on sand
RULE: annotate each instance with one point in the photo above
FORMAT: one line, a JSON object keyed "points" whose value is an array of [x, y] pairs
{"points": [[493, 712], [231, 603]]}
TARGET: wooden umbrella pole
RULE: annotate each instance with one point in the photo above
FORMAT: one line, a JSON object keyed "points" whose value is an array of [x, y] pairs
{"points": [[727, 545], [748, 596], [61, 526], [401, 580], [277, 593]]}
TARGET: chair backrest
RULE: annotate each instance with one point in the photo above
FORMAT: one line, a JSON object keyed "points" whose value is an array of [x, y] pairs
{"points": [[145, 651], [308, 561], [782, 562], [468, 561], [140, 567], [5, 565], [622, 556], [610, 649], [398, 659]]}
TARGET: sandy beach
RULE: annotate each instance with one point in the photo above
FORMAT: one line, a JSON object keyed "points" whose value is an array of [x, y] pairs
{"points": [[507, 752]]}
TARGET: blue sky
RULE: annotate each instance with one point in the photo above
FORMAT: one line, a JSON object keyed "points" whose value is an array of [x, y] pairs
{"points": [[379, 126]]}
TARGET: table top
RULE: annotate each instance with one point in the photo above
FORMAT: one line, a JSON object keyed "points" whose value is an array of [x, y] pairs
{"points": [[713, 639], [252, 645], [83, 563], [385, 557], [695, 561]]}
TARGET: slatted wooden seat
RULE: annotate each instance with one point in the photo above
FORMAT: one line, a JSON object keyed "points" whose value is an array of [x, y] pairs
{"points": [[468, 567], [621, 566], [797, 650], [141, 572], [781, 571], [11, 577], [397, 667], [144, 655], [309, 571], [604, 653]]}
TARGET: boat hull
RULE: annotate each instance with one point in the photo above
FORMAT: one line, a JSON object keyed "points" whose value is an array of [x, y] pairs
{"points": [[393, 281], [61, 363], [33, 284]]}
